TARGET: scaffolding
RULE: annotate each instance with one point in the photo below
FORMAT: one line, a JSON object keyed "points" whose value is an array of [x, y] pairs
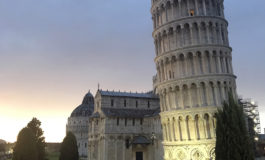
{"points": [[251, 109]]}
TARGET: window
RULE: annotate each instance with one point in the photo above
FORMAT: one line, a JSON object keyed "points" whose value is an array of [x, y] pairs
{"points": [[148, 104], [85, 145], [112, 103], [192, 12], [118, 121], [136, 104], [124, 103], [133, 122], [141, 121], [125, 122]]}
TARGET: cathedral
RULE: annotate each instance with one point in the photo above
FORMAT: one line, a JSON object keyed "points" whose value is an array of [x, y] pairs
{"points": [[175, 121]]}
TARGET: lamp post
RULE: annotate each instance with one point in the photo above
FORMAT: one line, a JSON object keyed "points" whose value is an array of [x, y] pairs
{"points": [[153, 138]]}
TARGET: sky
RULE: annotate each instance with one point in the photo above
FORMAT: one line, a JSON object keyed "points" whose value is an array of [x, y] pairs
{"points": [[53, 52]]}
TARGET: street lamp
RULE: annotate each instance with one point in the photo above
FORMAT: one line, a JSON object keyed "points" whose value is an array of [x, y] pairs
{"points": [[153, 137]]}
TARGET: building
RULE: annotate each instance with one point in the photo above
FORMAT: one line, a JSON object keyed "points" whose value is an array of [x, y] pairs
{"points": [[125, 126], [78, 123], [194, 73]]}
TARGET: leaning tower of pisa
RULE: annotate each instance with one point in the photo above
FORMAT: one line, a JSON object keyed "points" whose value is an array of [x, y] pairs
{"points": [[194, 73]]}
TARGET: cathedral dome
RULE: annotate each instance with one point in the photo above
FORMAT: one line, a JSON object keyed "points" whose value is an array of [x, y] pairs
{"points": [[86, 108]]}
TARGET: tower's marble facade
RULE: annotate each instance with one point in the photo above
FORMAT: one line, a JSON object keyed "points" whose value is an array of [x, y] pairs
{"points": [[194, 73]]}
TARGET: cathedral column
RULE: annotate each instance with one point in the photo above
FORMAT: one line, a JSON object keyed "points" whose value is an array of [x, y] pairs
{"points": [[192, 128], [199, 34], [223, 92], [166, 14], [196, 7], [184, 129], [169, 41], [161, 102], [169, 131], [199, 96], [188, 7], [207, 33], [215, 40], [172, 10], [230, 64], [186, 65], [196, 66], [224, 64], [181, 105], [179, 7], [191, 34], [182, 36], [211, 61], [165, 132], [219, 67], [208, 91], [217, 100], [220, 34], [174, 99], [176, 129], [211, 125], [171, 68], [189, 96], [172, 129], [204, 7]]}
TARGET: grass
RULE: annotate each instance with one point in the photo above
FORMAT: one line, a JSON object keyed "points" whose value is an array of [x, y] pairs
{"points": [[53, 156]]}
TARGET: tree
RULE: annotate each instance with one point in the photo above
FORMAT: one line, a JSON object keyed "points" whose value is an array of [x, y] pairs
{"points": [[69, 150], [25, 147], [34, 125], [232, 138]]}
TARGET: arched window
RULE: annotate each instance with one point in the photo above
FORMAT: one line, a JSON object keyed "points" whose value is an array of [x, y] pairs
{"points": [[133, 122], [118, 121], [148, 104], [112, 103], [125, 103], [141, 121]]}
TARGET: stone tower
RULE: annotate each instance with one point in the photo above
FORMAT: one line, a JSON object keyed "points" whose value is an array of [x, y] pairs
{"points": [[194, 73]]}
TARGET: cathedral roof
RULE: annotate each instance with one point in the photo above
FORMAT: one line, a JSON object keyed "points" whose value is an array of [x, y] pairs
{"points": [[86, 108], [127, 94]]}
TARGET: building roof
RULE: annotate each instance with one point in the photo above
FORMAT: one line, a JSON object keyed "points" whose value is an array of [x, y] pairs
{"points": [[2, 141], [86, 108], [127, 94], [130, 113]]}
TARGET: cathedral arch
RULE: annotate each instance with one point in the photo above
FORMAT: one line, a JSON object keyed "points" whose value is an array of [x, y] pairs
{"points": [[191, 64], [207, 126], [194, 95], [187, 34]]}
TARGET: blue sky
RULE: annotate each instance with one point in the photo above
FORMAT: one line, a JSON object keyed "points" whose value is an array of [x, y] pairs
{"points": [[52, 52]]}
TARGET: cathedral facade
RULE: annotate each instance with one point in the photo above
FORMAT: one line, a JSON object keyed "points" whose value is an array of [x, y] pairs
{"points": [[176, 121]]}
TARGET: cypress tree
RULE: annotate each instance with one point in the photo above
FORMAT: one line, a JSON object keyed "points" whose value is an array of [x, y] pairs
{"points": [[69, 150], [34, 125], [232, 138], [25, 147]]}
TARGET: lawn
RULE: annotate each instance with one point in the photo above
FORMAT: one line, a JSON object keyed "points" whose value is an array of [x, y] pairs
{"points": [[53, 156]]}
